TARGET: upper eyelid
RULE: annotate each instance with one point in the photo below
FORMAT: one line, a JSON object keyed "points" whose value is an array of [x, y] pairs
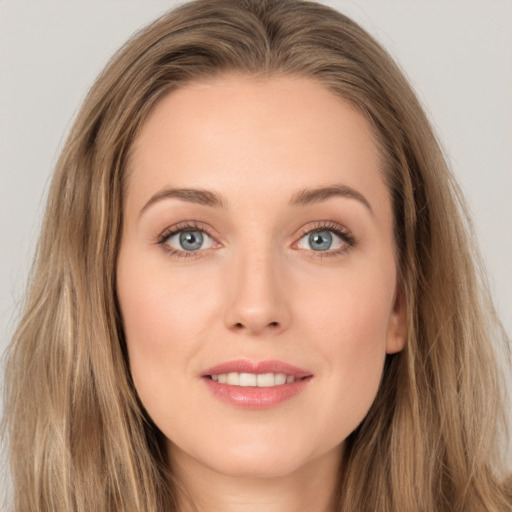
{"points": [[337, 228], [200, 226], [186, 226]]}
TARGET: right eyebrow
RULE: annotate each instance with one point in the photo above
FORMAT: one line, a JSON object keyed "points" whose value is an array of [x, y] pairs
{"points": [[191, 195]]}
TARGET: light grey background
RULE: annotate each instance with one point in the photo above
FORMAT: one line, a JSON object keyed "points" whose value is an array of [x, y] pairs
{"points": [[457, 54]]}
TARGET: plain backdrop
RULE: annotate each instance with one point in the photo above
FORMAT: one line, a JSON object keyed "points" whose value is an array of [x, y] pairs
{"points": [[456, 53]]}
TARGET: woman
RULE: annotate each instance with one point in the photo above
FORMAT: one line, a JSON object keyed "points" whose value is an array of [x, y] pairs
{"points": [[252, 224]]}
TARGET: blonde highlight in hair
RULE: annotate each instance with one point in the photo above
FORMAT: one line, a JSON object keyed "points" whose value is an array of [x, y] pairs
{"points": [[80, 439]]}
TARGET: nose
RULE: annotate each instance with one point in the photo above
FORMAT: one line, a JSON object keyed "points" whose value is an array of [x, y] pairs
{"points": [[258, 302]]}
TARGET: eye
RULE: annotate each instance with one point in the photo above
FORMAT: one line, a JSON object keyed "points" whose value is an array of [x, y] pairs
{"points": [[186, 239], [333, 240]]}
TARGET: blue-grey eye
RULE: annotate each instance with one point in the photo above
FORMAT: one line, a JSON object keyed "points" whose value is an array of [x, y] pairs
{"points": [[323, 240], [320, 240], [190, 241]]}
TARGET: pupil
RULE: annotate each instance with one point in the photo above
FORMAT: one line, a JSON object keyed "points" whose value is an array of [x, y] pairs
{"points": [[191, 240], [320, 241]]}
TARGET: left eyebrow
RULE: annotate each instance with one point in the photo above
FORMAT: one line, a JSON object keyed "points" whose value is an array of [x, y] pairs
{"points": [[308, 196]]}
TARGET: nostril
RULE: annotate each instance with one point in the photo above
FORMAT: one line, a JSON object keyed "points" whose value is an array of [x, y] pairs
{"points": [[240, 325]]}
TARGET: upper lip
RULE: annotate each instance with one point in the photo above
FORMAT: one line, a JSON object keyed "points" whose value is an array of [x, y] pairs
{"points": [[246, 366]]}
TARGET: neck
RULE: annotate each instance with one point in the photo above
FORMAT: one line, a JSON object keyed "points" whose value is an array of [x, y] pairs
{"points": [[203, 489]]}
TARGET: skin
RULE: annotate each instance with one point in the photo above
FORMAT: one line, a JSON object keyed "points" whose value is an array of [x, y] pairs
{"points": [[257, 290]]}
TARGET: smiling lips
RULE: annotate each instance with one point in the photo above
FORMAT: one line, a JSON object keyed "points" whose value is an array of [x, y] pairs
{"points": [[255, 385]]}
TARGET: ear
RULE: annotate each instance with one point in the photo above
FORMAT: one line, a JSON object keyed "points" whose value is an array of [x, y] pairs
{"points": [[397, 327]]}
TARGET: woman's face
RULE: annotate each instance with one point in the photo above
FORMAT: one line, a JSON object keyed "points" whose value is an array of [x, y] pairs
{"points": [[256, 274]]}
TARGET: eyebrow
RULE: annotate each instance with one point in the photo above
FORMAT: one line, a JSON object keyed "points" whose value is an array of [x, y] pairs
{"points": [[317, 195], [215, 200], [191, 195]]}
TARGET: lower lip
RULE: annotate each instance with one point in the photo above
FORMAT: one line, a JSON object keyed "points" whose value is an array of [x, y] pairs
{"points": [[253, 397]]}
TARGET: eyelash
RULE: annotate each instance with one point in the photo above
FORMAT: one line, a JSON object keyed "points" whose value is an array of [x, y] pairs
{"points": [[342, 232], [186, 226], [345, 234]]}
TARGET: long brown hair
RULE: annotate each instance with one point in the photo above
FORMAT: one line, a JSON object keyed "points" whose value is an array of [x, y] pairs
{"points": [[79, 438]]}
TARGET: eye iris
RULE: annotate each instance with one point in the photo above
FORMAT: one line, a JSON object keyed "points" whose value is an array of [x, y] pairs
{"points": [[320, 240], [191, 240]]}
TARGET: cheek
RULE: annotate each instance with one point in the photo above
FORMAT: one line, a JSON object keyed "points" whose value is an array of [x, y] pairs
{"points": [[349, 318], [166, 320], [351, 308]]}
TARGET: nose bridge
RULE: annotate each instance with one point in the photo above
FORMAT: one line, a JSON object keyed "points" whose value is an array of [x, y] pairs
{"points": [[257, 299]]}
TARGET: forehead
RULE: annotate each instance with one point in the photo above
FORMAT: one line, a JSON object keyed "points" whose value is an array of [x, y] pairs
{"points": [[244, 134]]}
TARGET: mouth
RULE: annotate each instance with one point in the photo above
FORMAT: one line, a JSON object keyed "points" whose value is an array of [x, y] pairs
{"points": [[258, 385], [260, 380]]}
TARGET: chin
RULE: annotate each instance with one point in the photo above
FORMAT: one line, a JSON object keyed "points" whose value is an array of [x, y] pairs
{"points": [[255, 458], [255, 466]]}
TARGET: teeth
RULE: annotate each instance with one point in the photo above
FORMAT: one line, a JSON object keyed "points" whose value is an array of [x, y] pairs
{"points": [[261, 380], [247, 379], [266, 380], [233, 379], [280, 379]]}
